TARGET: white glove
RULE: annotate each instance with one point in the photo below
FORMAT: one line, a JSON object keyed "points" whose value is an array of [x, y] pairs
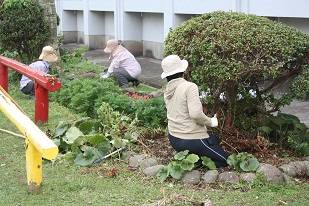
{"points": [[105, 76], [214, 121]]}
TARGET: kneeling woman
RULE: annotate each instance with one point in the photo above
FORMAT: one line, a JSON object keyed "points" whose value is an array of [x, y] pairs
{"points": [[186, 121]]}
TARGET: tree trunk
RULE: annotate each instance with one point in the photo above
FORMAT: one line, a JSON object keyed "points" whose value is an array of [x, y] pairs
{"points": [[51, 16]]}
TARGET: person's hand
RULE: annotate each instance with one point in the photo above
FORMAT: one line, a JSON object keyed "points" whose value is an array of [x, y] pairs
{"points": [[214, 121], [105, 76]]}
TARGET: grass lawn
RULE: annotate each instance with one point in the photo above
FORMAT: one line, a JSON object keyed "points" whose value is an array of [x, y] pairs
{"points": [[68, 184]]}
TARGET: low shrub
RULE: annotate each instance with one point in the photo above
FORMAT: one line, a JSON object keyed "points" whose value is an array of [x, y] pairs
{"points": [[86, 96]]}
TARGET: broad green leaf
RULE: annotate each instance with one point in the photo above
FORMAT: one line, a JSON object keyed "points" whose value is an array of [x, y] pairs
{"points": [[175, 170], [232, 160], [250, 165], [96, 139], [186, 165], [85, 159], [56, 141], [72, 134], [181, 155], [162, 174], [81, 140], [104, 146], [86, 127], [61, 129], [208, 163], [266, 129], [98, 153], [193, 158]]}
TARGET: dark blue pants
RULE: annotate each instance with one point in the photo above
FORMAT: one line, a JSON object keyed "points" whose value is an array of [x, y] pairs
{"points": [[29, 88], [123, 77], [209, 147]]}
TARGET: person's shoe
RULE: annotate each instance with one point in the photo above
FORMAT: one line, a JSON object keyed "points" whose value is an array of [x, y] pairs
{"points": [[136, 83]]}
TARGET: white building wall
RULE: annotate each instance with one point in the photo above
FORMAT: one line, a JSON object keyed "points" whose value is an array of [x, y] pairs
{"points": [[142, 25]]}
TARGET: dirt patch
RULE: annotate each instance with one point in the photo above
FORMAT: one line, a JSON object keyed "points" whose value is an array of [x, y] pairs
{"points": [[158, 146]]}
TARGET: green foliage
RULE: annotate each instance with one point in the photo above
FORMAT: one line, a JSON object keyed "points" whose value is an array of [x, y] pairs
{"points": [[300, 86], [116, 125], [82, 96], [23, 28], [229, 52], [152, 112], [182, 161], [287, 129], [88, 140], [86, 96], [243, 162]]}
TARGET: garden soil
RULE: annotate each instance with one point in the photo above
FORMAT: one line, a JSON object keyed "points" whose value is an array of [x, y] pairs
{"points": [[232, 142]]}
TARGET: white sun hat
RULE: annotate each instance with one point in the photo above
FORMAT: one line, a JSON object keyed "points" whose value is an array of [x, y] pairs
{"points": [[172, 64]]}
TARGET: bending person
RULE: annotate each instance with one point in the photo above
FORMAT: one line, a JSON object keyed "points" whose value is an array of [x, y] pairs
{"points": [[123, 65], [47, 56], [187, 124]]}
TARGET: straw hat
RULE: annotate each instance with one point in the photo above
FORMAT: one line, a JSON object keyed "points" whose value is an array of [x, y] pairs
{"points": [[48, 54], [172, 64], [110, 45]]}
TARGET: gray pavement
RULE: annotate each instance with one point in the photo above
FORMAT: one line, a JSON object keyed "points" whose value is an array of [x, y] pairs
{"points": [[151, 75], [151, 68]]}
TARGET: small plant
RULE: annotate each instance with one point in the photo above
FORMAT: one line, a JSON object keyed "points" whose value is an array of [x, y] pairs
{"points": [[243, 162], [287, 129], [182, 161], [88, 140]]}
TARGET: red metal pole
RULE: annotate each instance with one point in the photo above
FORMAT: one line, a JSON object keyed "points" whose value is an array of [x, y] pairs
{"points": [[4, 83], [41, 103]]}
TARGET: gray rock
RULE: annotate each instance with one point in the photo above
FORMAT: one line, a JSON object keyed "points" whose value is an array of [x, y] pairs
{"points": [[191, 177], [307, 158], [157, 93], [71, 76], [153, 170], [307, 167], [125, 156], [210, 176], [248, 177], [136, 160], [298, 168], [286, 179], [228, 177], [89, 75], [148, 162], [207, 203], [271, 173], [129, 89]]}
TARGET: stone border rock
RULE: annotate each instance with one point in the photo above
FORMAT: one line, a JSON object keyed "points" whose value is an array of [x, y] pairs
{"points": [[282, 175]]}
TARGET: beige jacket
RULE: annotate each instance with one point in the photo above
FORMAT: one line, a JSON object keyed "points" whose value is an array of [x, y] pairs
{"points": [[186, 119]]}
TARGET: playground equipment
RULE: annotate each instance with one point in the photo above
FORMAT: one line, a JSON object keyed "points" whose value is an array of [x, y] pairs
{"points": [[38, 145], [43, 83]]}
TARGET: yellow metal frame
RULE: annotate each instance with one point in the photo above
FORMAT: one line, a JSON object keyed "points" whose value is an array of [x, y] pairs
{"points": [[37, 142]]}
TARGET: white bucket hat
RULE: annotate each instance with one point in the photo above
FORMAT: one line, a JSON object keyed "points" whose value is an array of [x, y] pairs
{"points": [[172, 64], [110, 45], [48, 54]]}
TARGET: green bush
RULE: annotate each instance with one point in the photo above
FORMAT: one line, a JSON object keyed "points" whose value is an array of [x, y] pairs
{"points": [[300, 87], [229, 52], [86, 96], [23, 28], [82, 95], [151, 112]]}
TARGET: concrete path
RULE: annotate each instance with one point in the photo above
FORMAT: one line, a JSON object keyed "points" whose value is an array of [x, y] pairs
{"points": [[151, 75]]}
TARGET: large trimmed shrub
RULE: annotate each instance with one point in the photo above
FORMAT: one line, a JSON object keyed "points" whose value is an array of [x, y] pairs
{"points": [[229, 52], [23, 28]]}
